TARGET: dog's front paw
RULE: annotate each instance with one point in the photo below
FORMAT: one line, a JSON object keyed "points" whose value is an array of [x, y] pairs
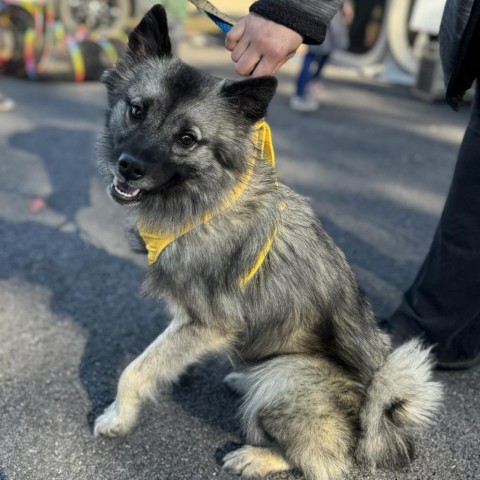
{"points": [[111, 424]]}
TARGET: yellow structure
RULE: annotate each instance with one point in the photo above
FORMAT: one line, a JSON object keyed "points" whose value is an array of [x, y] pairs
{"points": [[237, 8]]}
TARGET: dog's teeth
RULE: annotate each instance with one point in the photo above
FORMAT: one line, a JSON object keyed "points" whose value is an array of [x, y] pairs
{"points": [[123, 189], [125, 194]]}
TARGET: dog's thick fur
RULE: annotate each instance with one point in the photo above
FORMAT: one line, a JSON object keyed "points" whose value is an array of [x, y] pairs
{"points": [[322, 385]]}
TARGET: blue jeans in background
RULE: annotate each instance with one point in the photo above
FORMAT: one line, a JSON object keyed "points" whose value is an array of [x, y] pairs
{"points": [[310, 71]]}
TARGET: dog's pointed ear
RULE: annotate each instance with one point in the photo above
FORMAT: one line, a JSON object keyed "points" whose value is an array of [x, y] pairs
{"points": [[110, 77], [251, 96], [150, 37]]}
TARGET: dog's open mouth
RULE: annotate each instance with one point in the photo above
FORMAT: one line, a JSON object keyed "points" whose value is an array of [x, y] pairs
{"points": [[124, 192]]}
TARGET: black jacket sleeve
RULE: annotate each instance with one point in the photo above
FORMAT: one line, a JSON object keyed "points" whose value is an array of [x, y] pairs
{"points": [[307, 17]]}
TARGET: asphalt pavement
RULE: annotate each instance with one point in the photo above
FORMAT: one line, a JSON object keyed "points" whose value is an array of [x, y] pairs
{"points": [[376, 164]]}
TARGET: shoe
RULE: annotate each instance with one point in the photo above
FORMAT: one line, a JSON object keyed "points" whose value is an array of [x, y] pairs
{"points": [[304, 104], [315, 89], [6, 104], [444, 363], [443, 360]]}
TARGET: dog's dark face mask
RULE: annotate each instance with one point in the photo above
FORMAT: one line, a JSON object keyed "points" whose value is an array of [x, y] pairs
{"points": [[175, 139]]}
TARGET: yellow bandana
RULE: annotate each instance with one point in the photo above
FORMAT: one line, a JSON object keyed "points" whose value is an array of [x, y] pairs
{"points": [[156, 242]]}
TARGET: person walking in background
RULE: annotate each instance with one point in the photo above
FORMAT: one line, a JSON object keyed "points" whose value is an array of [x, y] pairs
{"points": [[443, 303], [304, 99]]}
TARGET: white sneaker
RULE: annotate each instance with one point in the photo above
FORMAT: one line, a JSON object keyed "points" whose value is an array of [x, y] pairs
{"points": [[303, 104], [6, 104]]}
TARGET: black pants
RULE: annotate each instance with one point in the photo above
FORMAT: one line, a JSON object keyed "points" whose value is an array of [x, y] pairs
{"points": [[443, 303]]}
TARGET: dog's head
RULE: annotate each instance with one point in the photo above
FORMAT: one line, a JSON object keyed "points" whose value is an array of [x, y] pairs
{"points": [[175, 138]]}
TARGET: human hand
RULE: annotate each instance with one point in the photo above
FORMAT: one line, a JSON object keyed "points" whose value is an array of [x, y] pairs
{"points": [[260, 46]]}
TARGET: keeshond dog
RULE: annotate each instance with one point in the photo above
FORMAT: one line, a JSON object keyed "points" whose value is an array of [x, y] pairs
{"points": [[247, 271]]}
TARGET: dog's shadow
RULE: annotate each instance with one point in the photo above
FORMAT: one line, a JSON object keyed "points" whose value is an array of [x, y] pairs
{"points": [[202, 394]]}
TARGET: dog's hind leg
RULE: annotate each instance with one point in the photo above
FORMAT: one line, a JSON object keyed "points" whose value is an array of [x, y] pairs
{"points": [[180, 345], [308, 409], [249, 461]]}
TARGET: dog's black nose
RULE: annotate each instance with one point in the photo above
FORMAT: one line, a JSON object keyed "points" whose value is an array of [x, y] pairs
{"points": [[130, 168]]}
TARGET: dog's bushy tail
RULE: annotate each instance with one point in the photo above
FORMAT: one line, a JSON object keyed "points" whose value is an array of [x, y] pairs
{"points": [[401, 399]]}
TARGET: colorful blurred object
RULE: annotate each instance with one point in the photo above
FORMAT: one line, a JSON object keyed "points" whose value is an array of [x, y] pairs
{"points": [[35, 44]]}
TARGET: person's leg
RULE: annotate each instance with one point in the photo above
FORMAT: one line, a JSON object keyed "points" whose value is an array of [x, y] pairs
{"points": [[304, 75], [311, 89], [443, 304], [321, 62], [302, 101]]}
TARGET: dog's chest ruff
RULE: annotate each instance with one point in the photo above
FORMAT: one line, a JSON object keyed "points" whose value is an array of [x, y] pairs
{"points": [[156, 242]]}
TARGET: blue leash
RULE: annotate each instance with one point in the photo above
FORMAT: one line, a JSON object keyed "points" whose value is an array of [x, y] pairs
{"points": [[226, 27], [224, 22]]}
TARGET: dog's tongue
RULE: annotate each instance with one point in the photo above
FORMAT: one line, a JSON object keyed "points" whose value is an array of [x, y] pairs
{"points": [[125, 187]]}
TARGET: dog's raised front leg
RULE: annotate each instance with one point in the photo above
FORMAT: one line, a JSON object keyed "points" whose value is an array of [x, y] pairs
{"points": [[180, 345]]}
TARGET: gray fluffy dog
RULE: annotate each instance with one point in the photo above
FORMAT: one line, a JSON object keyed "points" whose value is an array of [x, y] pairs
{"points": [[322, 386]]}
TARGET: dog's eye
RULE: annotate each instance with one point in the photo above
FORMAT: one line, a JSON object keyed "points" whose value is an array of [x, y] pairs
{"points": [[136, 112], [187, 139]]}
